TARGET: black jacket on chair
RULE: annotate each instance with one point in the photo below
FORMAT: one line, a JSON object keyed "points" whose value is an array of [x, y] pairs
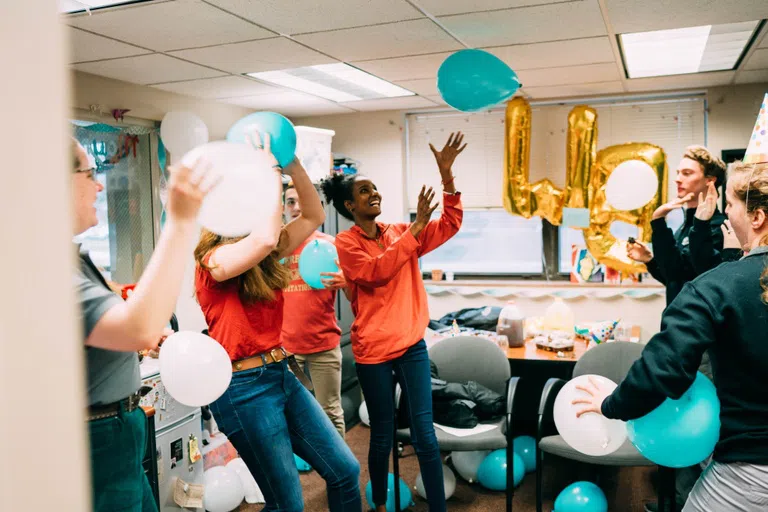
{"points": [[463, 405]]}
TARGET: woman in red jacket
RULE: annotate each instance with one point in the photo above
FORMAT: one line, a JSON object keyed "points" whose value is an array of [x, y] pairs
{"points": [[381, 264], [266, 412]]}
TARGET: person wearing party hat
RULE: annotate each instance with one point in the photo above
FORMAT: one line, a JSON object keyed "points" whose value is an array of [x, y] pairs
{"points": [[724, 311]]}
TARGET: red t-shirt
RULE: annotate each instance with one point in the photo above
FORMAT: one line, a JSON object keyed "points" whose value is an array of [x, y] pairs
{"points": [[244, 330], [310, 316]]}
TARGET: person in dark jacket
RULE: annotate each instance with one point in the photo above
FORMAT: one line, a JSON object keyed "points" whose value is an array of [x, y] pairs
{"points": [[724, 311]]}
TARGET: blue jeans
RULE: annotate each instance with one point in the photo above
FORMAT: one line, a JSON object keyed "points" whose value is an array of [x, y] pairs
{"points": [[268, 416], [377, 381], [117, 475]]}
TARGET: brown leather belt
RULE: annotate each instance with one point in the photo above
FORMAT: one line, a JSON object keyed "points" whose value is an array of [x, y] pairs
{"points": [[273, 356], [98, 412]]}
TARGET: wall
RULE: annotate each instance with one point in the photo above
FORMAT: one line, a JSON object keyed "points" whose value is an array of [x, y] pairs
{"points": [[377, 140]]}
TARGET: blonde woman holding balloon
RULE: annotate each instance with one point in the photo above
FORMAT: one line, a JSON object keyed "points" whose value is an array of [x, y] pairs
{"points": [[266, 412], [115, 329]]}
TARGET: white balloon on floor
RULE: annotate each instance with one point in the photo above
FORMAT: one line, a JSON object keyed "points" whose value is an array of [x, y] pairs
{"points": [[252, 492], [195, 369], [363, 412], [182, 131], [467, 463], [592, 433], [223, 490], [449, 483], [247, 193]]}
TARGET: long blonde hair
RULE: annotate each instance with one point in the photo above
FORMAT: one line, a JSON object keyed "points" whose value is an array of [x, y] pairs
{"points": [[750, 184], [257, 283]]}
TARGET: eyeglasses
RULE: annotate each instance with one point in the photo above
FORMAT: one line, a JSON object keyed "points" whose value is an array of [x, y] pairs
{"points": [[92, 172]]}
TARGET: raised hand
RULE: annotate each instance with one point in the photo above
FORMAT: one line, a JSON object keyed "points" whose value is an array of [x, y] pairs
{"points": [[707, 205], [639, 252], [597, 393], [424, 210], [665, 209], [450, 151], [187, 188]]}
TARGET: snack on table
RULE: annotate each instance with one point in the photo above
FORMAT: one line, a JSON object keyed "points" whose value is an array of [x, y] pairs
{"points": [[554, 342]]}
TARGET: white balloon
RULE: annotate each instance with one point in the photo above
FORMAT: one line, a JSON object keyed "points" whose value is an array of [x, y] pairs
{"points": [[182, 131], [591, 433], [449, 483], [247, 193], [252, 492], [223, 490], [631, 185], [363, 412], [194, 368], [467, 463]]}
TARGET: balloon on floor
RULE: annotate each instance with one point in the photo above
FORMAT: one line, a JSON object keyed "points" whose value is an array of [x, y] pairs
{"points": [[223, 489], [471, 80], [591, 433], [525, 447], [281, 133], [449, 483], [683, 432], [492, 473], [252, 492], [467, 463], [581, 497], [195, 369], [406, 500], [363, 413]]}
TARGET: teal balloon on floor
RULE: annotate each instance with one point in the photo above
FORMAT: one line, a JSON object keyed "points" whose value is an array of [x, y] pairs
{"points": [[492, 473], [281, 132], [581, 497], [301, 464], [406, 500], [318, 256], [525, 447], [471, 80], [680, 433]]}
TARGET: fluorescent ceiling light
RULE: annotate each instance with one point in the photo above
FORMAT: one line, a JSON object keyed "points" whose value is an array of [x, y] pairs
{"points": [[70, 6], [685, 50], [336, 82]]}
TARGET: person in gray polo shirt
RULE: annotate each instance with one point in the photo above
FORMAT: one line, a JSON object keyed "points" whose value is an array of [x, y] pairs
{"points": [[114, 330]]}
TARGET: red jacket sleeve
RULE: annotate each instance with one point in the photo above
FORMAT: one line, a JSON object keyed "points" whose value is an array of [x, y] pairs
{"points": [[439, 231], [364, 269]]}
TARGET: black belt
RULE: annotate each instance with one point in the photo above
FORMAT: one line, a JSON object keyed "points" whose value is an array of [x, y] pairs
{"points": [[130, 404]]}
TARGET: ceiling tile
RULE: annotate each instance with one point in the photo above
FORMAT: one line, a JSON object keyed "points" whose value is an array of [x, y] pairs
{"points": [[382, 41], [692, 81], [758, 60], [147, 69], [424, 87], [166, 26], [752, 77], [566, 91], [633, 16], [404, 68], [536, 24], [586, 74], [85, 47], [390, 104], [437, 99], [556, 53], [253, 56], [445, 7], [318, 15], [222, 87], [290, 103]]}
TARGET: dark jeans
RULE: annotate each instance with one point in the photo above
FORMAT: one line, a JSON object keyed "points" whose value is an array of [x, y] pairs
{"points": [[377, 381], [268, 415], [118, 482]]}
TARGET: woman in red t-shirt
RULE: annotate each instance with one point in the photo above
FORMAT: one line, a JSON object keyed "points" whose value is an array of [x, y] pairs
{"points": [[266, 412], [381, 265]]}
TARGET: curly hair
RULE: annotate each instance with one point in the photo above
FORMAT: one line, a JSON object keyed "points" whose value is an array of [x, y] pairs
{"points": [[713, 166], [337, 189]]}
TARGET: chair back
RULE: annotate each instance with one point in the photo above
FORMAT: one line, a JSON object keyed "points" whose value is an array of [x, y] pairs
{"points": [[466, 358], [610, 360]]}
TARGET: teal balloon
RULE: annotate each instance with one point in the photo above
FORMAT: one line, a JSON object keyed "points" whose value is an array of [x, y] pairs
{"points": [[281, 133], [301, 464], [406, 499], [492, 473], [680, 433], [525, 447], [318, 256], [471, 80], [581, 497]]}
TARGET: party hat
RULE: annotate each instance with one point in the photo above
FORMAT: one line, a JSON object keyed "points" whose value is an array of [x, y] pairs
{"points": [[603, 331], [757, 151]]}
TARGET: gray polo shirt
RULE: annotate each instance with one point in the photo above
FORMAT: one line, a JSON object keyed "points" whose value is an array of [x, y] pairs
{"points": [[112, 375]]}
